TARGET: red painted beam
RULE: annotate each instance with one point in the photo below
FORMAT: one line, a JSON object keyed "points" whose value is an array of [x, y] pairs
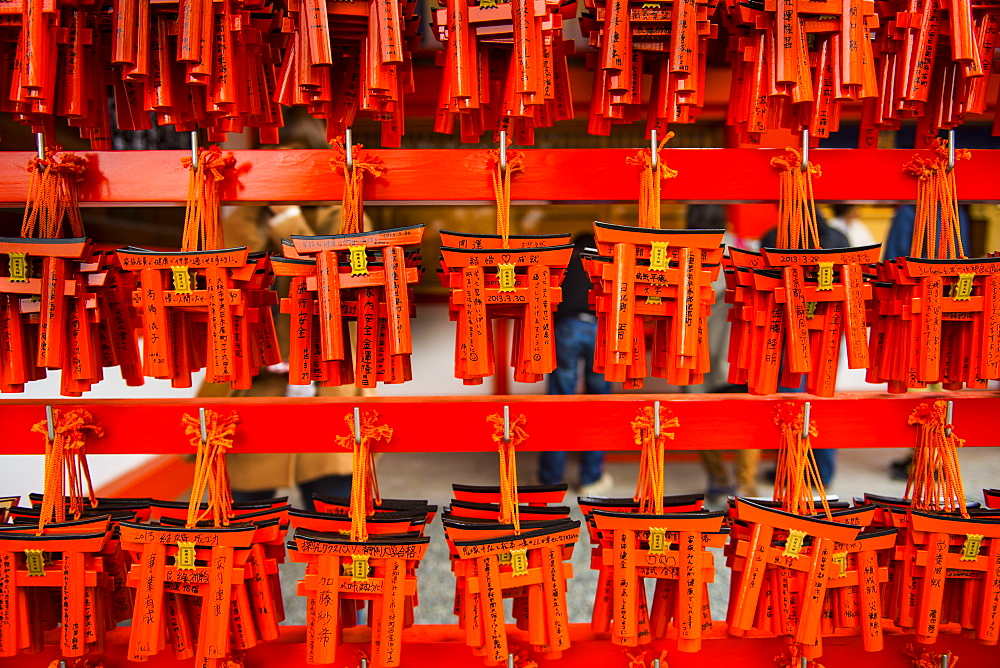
{"points": [[462, 175], [442, 646], [459, 424]]}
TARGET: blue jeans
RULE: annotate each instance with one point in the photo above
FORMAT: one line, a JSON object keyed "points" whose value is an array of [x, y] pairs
{"points": [[575, 341], [826, 458]]}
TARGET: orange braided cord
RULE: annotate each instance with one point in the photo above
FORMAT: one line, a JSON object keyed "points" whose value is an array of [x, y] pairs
{"points": [[68, 451], [364, 484], [927, 659], [210, 470], [794, 659], [352, 215], [52, 194], [935, 481], [797, 227], [509, 511], [202, 220], [936, 230], [650, 182], [501, 188], [649, 488], [796, 475]]}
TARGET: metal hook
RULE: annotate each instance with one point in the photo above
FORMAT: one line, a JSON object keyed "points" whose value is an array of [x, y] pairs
{"points": [[655, 159], [949, 414], [656, 662], [805, 662], [194, 149], [510, 661], [40, 143], [50, 423], [364, 662], [506, 424], [503, 150], [805, 419], [349, 148], [656, 414], [951, 151], [944, 660], [203, 425], [805, 149], [357, 425]]}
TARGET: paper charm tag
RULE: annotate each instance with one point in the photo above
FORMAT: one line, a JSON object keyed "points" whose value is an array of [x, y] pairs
{"points": [[35, 561], [970, 549], [185, 559], [793, 546], [658, 542], [961, 291], [840, 558], [658, 258], [182, 279], [519, 562], [825, 278], [359, 567], [17, 265], [359, 260], [505, 275]]}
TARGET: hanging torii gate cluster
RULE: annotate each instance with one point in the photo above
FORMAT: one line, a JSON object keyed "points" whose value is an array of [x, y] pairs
{"points": [[204, 309], [658, 276], [791, 309], [367, 278], [64, 304], [487, 282]]}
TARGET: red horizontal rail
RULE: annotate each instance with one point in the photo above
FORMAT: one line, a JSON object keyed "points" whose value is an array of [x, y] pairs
{"points": [[459, 424], [443, 646], [438, 175]]}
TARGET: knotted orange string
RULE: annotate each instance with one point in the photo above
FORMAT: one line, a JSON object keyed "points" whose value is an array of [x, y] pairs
{"points": [[638, 659], [796, 475], [52, 194], [509, 511], [935, 481], [501, 188], [649, 489], [927, 659], [202, 220], [352, 215], [936, 230], [797, 227], [794, 659], [68, 451], [650, 182], [364, 484], [210, 467]]}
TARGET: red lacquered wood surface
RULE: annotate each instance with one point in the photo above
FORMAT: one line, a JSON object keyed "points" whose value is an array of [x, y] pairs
{"points": [[463, 175], [459, 424]]}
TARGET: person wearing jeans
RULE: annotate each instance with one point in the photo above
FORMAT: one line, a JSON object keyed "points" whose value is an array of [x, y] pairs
{"points": [[575, 331]]}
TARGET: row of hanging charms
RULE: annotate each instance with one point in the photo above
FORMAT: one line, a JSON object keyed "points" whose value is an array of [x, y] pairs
{"points": [[204, 306], [501, 549], [668, 41], [665, 538], [946, 565], [221, 66], [804, 567], [793, 304], [355, 276], [64, 303], [505, 67], [504, 64], [503, 276], [936, 318], [648, 275], [351, 561]]}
